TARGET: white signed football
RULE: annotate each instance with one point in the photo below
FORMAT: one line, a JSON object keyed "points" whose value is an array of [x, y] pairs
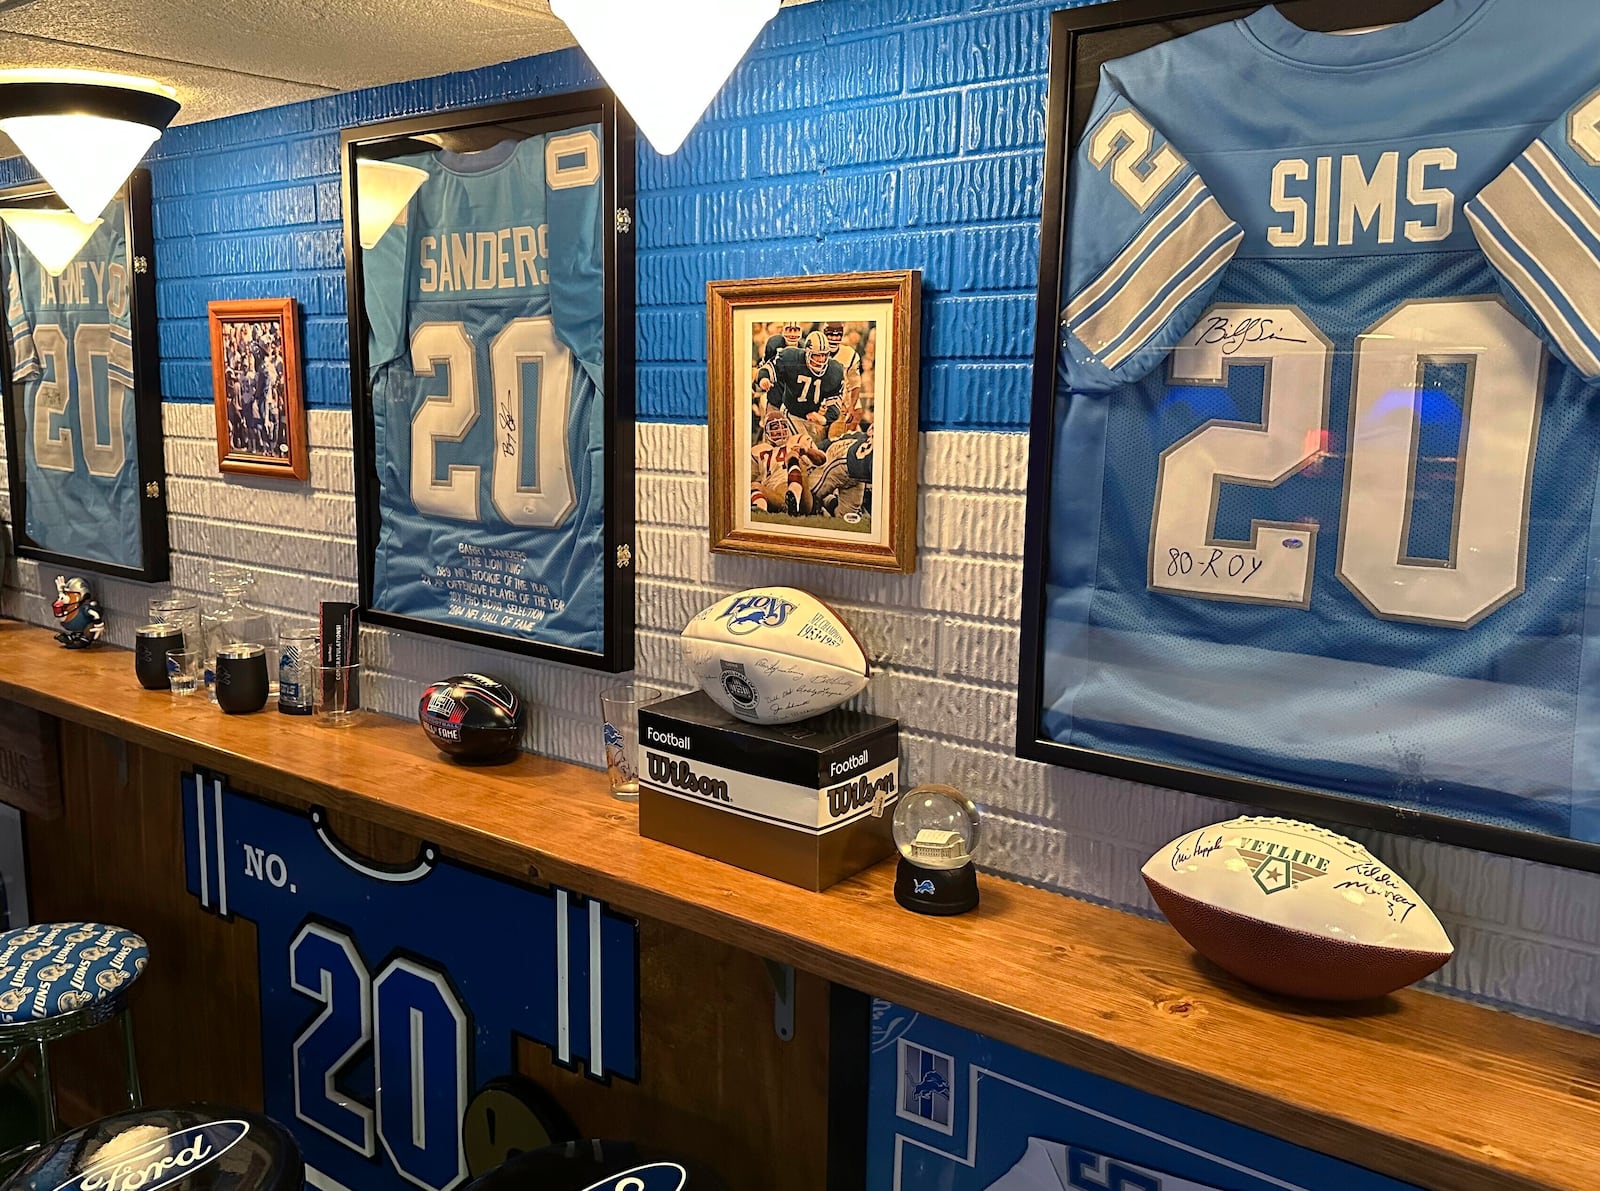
{"points": [[772, 655], [1296, 909]]}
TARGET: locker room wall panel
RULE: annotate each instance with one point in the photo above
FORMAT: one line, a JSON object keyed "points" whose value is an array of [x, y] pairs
{"points": [[846, 113], [756, 1109]]}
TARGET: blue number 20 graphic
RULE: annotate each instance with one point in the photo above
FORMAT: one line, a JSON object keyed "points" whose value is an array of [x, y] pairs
{"points": [[417, 1030]]}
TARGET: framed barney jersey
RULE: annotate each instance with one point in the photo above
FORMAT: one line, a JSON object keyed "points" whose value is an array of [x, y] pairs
{"points": [[1315, 431], [490, 267], [82, 383]]}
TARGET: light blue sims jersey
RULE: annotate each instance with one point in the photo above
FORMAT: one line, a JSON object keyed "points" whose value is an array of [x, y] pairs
{"points": [[486, 357], [73, 395], [1324, 500]]}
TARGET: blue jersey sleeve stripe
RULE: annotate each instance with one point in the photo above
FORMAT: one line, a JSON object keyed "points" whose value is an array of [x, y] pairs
{"points": [[1199, 270], [1167, 262], [1500, 247], [1558, 264], [1093, 294]]}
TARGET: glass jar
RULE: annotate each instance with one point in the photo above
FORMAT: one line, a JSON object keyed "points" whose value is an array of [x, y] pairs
{"points": [[234, 621]]}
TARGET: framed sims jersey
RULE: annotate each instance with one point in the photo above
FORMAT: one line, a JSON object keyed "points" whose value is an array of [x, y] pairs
{"points": [[81, 379], [1316, 430], [489, 293]]}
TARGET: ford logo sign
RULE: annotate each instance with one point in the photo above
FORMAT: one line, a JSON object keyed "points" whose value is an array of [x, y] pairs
{"points": [[658, 1176], [159, 1162]]}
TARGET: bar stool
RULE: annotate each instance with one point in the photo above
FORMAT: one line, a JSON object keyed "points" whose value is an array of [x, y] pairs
{"points": [[188, 1149], [58, 979]]}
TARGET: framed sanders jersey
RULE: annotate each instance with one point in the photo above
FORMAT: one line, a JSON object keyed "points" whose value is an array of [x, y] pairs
{"points": [[491, 337], [1316, 439], [81, 377]]}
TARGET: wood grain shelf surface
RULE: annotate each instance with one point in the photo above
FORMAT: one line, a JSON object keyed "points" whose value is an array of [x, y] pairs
{"points": [[1440, 1093]]}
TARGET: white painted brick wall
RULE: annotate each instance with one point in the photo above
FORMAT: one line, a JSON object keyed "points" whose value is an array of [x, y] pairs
{"points": [[944, 642]]}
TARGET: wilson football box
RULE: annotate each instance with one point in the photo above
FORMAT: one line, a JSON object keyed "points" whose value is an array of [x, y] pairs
{"points": [[808, 803]]}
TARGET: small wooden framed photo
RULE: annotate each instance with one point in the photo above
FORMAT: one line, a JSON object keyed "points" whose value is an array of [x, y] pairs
{"points": [[813, 418], [256, 384]]}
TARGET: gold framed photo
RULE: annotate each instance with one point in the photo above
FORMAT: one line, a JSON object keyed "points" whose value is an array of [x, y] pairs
{"points": [[256, 388], [813, 418]]}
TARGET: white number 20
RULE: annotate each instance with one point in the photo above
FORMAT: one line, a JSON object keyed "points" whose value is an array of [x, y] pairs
{"points": [[1500, 421], [524, 342], [53, 444]]}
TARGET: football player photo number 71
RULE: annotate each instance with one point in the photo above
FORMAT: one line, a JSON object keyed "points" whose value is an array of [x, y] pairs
{"points": [[813, 418]]}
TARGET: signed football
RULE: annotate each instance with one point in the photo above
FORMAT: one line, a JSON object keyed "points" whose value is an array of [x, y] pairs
{"points": [[772, 655], [1296, 909], [471, 717]]}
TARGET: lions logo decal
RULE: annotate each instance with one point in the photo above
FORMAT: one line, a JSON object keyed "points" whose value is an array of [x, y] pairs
{"points": [[73, 999], [749, 613], [81, 935], [50, 973], [112, 980], [13, 999]]}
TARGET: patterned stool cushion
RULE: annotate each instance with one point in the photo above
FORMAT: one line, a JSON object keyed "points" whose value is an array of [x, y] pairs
{"points": [[56, 967]]}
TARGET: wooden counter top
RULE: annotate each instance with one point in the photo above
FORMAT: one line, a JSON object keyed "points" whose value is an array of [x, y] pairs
{"points": [[1440, 1093]]}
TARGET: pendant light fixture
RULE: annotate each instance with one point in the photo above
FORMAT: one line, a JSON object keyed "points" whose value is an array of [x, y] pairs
{"points": [[83, 131], [54, 237], [665, 59]]}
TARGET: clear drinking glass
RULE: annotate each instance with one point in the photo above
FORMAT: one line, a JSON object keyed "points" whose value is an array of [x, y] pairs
{"points": [[338, 696], [183, 671], [177, 610], [298, 660], [619, 707]]}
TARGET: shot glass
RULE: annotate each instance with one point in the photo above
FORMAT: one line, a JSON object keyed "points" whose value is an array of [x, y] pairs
{"points": [[338, 696], [619, 708], [183, 671]]}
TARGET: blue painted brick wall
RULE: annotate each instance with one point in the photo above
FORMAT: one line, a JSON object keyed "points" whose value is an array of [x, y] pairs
{"points": [[857, 134]]}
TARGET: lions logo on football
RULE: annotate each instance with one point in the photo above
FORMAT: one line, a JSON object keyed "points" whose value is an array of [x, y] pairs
{"points": [[749, 613]]}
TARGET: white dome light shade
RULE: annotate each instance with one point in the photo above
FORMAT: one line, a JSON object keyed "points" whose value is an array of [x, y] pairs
{"points": [[383, 188], [84, 137], [54, 237], [85, 158], [665, 59]]}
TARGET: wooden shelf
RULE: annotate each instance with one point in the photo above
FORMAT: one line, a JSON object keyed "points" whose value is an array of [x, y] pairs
{"points": [[1439, 1093]]}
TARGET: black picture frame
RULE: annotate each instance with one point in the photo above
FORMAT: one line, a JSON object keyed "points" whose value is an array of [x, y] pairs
{"points": [[397, 137], [1081, 40], [155, 564]]}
